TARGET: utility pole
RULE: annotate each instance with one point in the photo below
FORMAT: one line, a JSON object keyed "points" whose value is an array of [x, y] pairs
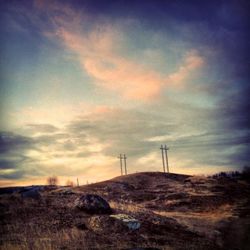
{"points": [[166, 154], [125, 164], [163, 162], [120, 157]]}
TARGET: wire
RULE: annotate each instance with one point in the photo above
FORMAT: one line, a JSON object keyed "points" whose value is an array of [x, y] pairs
{"points": [[221, 142]]}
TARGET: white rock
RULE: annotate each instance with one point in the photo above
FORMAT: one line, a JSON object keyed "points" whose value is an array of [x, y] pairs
{"points": [[128, 220]]}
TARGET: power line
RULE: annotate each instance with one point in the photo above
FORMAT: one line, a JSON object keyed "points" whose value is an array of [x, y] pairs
{"points": [[183, 143], [208, 144], [225, 141]]}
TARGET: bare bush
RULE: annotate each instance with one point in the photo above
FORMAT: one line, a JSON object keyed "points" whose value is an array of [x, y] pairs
{"points": [[52, 181]]}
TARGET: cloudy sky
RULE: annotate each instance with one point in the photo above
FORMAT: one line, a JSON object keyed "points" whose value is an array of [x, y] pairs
{"points": [[83, 81]]}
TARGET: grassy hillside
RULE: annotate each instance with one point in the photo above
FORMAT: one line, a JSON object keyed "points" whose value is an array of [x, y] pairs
{"points": [[175, 212]]}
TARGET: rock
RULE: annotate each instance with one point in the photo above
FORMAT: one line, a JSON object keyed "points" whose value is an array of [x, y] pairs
{"points": [[104, 223], [127, 220], [112, 223], [32, 193], [93, 204]]}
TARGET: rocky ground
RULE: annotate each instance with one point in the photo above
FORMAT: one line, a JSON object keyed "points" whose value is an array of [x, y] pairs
{"points": [[170, 211]]}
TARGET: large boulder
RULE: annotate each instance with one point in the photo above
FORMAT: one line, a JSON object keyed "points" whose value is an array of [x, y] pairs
{"points": [[93, 204]]}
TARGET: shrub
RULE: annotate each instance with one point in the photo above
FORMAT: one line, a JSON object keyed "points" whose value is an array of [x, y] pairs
{"points": [[52, 181]]}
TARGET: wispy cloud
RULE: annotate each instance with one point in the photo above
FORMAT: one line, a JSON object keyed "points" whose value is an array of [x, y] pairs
{"points": [[98, 56], [101, 51]]}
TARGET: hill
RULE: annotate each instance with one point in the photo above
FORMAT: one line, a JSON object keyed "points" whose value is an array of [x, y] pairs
{"points": [[175, 212]]}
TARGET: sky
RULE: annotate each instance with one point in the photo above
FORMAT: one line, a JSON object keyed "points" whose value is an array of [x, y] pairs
{"points": [[83, 81]]}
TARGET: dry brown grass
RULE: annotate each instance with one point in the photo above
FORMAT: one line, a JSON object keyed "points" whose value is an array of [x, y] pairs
{"points": [[176, 212]]}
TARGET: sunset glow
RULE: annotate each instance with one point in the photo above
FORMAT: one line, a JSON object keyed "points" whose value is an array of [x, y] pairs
{"points": [[83, 81]]}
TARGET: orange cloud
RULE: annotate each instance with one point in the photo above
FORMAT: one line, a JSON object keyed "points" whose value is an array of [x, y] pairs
{"points": [[99, 53], [192, 62]]}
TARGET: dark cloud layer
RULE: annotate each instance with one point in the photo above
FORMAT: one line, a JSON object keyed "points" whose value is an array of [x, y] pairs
{"points": [[12, 142]]}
